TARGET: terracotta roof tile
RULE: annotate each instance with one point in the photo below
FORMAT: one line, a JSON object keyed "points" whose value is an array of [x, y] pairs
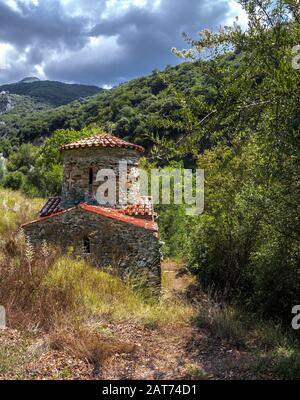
{"points": [[52, 206], [105, 212], [102, 140], [47, 217], [120, 216], [144, 209]]}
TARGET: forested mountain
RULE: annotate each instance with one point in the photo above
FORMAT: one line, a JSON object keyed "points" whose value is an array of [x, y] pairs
{"points": [[131, 110], [23, 105], [49, 92]]}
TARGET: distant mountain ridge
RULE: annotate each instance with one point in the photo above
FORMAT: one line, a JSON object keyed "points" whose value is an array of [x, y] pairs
{"points": [[129, 110], [51, 93], [29, 79]]}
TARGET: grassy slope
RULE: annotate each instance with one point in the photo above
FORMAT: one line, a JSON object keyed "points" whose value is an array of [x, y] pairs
{"points": [[68, 320]]}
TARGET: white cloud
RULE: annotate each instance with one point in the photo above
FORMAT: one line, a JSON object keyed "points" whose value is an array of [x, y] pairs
{"points": [[40, 73], [6, 50], [118, 7], [101, 42], [236, 10], [12, 4]]}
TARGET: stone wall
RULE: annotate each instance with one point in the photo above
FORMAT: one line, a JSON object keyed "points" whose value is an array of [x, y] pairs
{"points": [[77, 164], [124, 246]]}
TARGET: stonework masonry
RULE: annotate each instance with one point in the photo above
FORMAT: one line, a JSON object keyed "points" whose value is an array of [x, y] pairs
{"points": [[82, 166], [122, 237], [103, 241]]}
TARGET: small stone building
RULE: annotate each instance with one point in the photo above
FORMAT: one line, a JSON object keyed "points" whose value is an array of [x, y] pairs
{"points": [[124, 237]]}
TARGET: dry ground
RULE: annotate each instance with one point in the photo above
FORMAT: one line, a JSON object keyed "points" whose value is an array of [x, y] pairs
{"points": [[156, 353]]}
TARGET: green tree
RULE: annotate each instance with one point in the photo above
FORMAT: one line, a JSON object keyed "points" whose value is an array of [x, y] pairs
{"points": [[246, 137], [14, 180], [24, 158]]}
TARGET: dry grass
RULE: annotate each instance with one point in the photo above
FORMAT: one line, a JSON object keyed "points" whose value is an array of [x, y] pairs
{"points": [[12, 356], [88, 345], [221, 320], [98, 295], [39, 291], [40, 288], [276, 351], [15, 210], [65, 300]]}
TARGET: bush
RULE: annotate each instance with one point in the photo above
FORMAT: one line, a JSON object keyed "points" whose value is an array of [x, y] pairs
{"points": [[287, 363], [14, 180], [233, 246]]}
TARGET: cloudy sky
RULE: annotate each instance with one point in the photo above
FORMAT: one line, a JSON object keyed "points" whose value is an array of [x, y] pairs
{"points": [[101, 42]]}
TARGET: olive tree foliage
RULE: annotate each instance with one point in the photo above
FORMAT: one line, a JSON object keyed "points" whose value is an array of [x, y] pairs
{"points": [[246, 137]]}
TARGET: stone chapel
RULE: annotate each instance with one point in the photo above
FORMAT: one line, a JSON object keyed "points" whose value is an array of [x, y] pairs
{"points": [[124, 237]]}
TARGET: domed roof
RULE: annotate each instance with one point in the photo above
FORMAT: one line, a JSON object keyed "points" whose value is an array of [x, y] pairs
{"points": [[102, 140]]}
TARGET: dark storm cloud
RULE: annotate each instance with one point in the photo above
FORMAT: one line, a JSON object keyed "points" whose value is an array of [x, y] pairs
{"points": [[146, 37], [46, 24], [129, 44]]}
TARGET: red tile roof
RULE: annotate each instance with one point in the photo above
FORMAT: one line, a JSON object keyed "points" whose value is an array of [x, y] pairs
{"points": [[52, 206], [49, 216], [120, 216], [144, 209], [102, 140], [106, 212]]}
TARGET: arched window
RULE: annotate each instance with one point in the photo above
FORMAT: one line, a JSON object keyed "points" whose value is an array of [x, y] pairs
{"points": [[86, 245], [91, 176]]}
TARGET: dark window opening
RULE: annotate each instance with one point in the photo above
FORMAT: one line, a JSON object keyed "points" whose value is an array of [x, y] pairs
{"points": [[91, 176], [86, 245]]}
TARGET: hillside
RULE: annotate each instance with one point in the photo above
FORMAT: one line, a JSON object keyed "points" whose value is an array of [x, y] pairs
{"points": [[129, 110], [50, 92], [23, 105]]}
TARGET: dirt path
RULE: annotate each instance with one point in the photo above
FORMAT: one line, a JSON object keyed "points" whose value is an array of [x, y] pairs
{"points": [[182, 352]]}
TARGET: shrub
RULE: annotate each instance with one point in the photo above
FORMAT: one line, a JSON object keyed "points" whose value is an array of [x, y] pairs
{"points": [[287, 363], [14, 180]]}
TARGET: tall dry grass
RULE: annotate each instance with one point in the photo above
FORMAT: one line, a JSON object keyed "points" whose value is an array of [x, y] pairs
{"points": [[42, 289], [65, 300], [15, 210]]}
